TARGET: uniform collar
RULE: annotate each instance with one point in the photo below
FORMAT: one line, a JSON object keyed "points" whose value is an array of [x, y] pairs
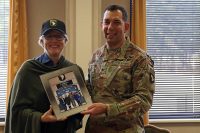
{"points": [[121, 51]]}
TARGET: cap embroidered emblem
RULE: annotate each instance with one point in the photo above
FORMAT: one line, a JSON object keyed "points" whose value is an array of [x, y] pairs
{"points": [[53, 23]]}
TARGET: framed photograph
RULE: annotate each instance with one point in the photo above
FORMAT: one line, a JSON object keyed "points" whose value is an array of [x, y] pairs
{"points": [[66, 91]]}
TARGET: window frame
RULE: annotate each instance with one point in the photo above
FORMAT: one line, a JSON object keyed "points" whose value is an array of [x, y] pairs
{"points": [[4, 15], [170, 120]]}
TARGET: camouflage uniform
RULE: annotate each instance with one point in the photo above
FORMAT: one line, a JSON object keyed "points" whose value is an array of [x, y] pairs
{"points": [[124, 80]]}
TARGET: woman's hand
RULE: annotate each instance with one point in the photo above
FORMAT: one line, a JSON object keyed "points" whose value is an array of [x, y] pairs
{"points": [[50, 117]]}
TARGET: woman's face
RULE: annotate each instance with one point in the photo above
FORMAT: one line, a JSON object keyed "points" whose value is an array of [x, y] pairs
{"points": [[53, 43]]}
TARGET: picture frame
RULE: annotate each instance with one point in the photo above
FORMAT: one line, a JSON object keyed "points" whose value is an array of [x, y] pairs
{"points": [[66, 91]]}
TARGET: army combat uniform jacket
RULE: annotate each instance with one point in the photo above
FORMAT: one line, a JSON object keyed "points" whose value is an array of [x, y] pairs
{"points": [[124, 79]]}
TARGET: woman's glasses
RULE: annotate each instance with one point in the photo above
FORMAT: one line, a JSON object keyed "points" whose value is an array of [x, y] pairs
{"points": [[56, 37]]}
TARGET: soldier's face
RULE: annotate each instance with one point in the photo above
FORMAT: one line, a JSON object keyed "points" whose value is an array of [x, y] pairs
{"points": [[114, 27]]}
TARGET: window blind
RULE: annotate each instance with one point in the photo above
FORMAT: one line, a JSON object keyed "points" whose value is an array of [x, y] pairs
{"points": [[4, 15], [173, 41]]}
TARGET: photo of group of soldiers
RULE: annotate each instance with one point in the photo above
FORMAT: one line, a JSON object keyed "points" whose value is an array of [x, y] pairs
{"points": [[69, 96]]}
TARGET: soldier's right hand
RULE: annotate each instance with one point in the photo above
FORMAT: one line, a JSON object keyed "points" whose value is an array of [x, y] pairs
{"points": [[96, 109]]}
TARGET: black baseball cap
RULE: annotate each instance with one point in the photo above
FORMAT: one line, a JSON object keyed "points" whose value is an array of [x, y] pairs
{"points": [[53, 24]]}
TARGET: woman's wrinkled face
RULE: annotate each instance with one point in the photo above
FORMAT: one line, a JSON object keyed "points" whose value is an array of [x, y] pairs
{"points": [[53, 43]]}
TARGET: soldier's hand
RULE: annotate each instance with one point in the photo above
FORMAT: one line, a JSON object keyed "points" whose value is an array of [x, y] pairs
{"points": [[96, 109]]}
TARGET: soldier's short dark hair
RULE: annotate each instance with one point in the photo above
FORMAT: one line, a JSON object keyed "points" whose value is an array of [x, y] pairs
{"points": [[118, 7]]}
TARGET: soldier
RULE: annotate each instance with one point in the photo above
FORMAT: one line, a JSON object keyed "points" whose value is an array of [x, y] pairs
{"points": [[121, 79]]}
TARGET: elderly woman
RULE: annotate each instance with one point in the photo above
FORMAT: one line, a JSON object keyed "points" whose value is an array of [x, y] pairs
{"points": [[29, 110]]}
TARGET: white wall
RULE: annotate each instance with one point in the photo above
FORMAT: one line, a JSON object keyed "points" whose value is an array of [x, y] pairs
{"points": [[38, 12]]}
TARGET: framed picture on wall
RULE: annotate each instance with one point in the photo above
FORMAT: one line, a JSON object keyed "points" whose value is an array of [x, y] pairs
{"points": [[66, 91]]}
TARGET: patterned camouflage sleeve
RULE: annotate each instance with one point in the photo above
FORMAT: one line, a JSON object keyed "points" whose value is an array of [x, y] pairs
{"points": [[143, 79]]}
